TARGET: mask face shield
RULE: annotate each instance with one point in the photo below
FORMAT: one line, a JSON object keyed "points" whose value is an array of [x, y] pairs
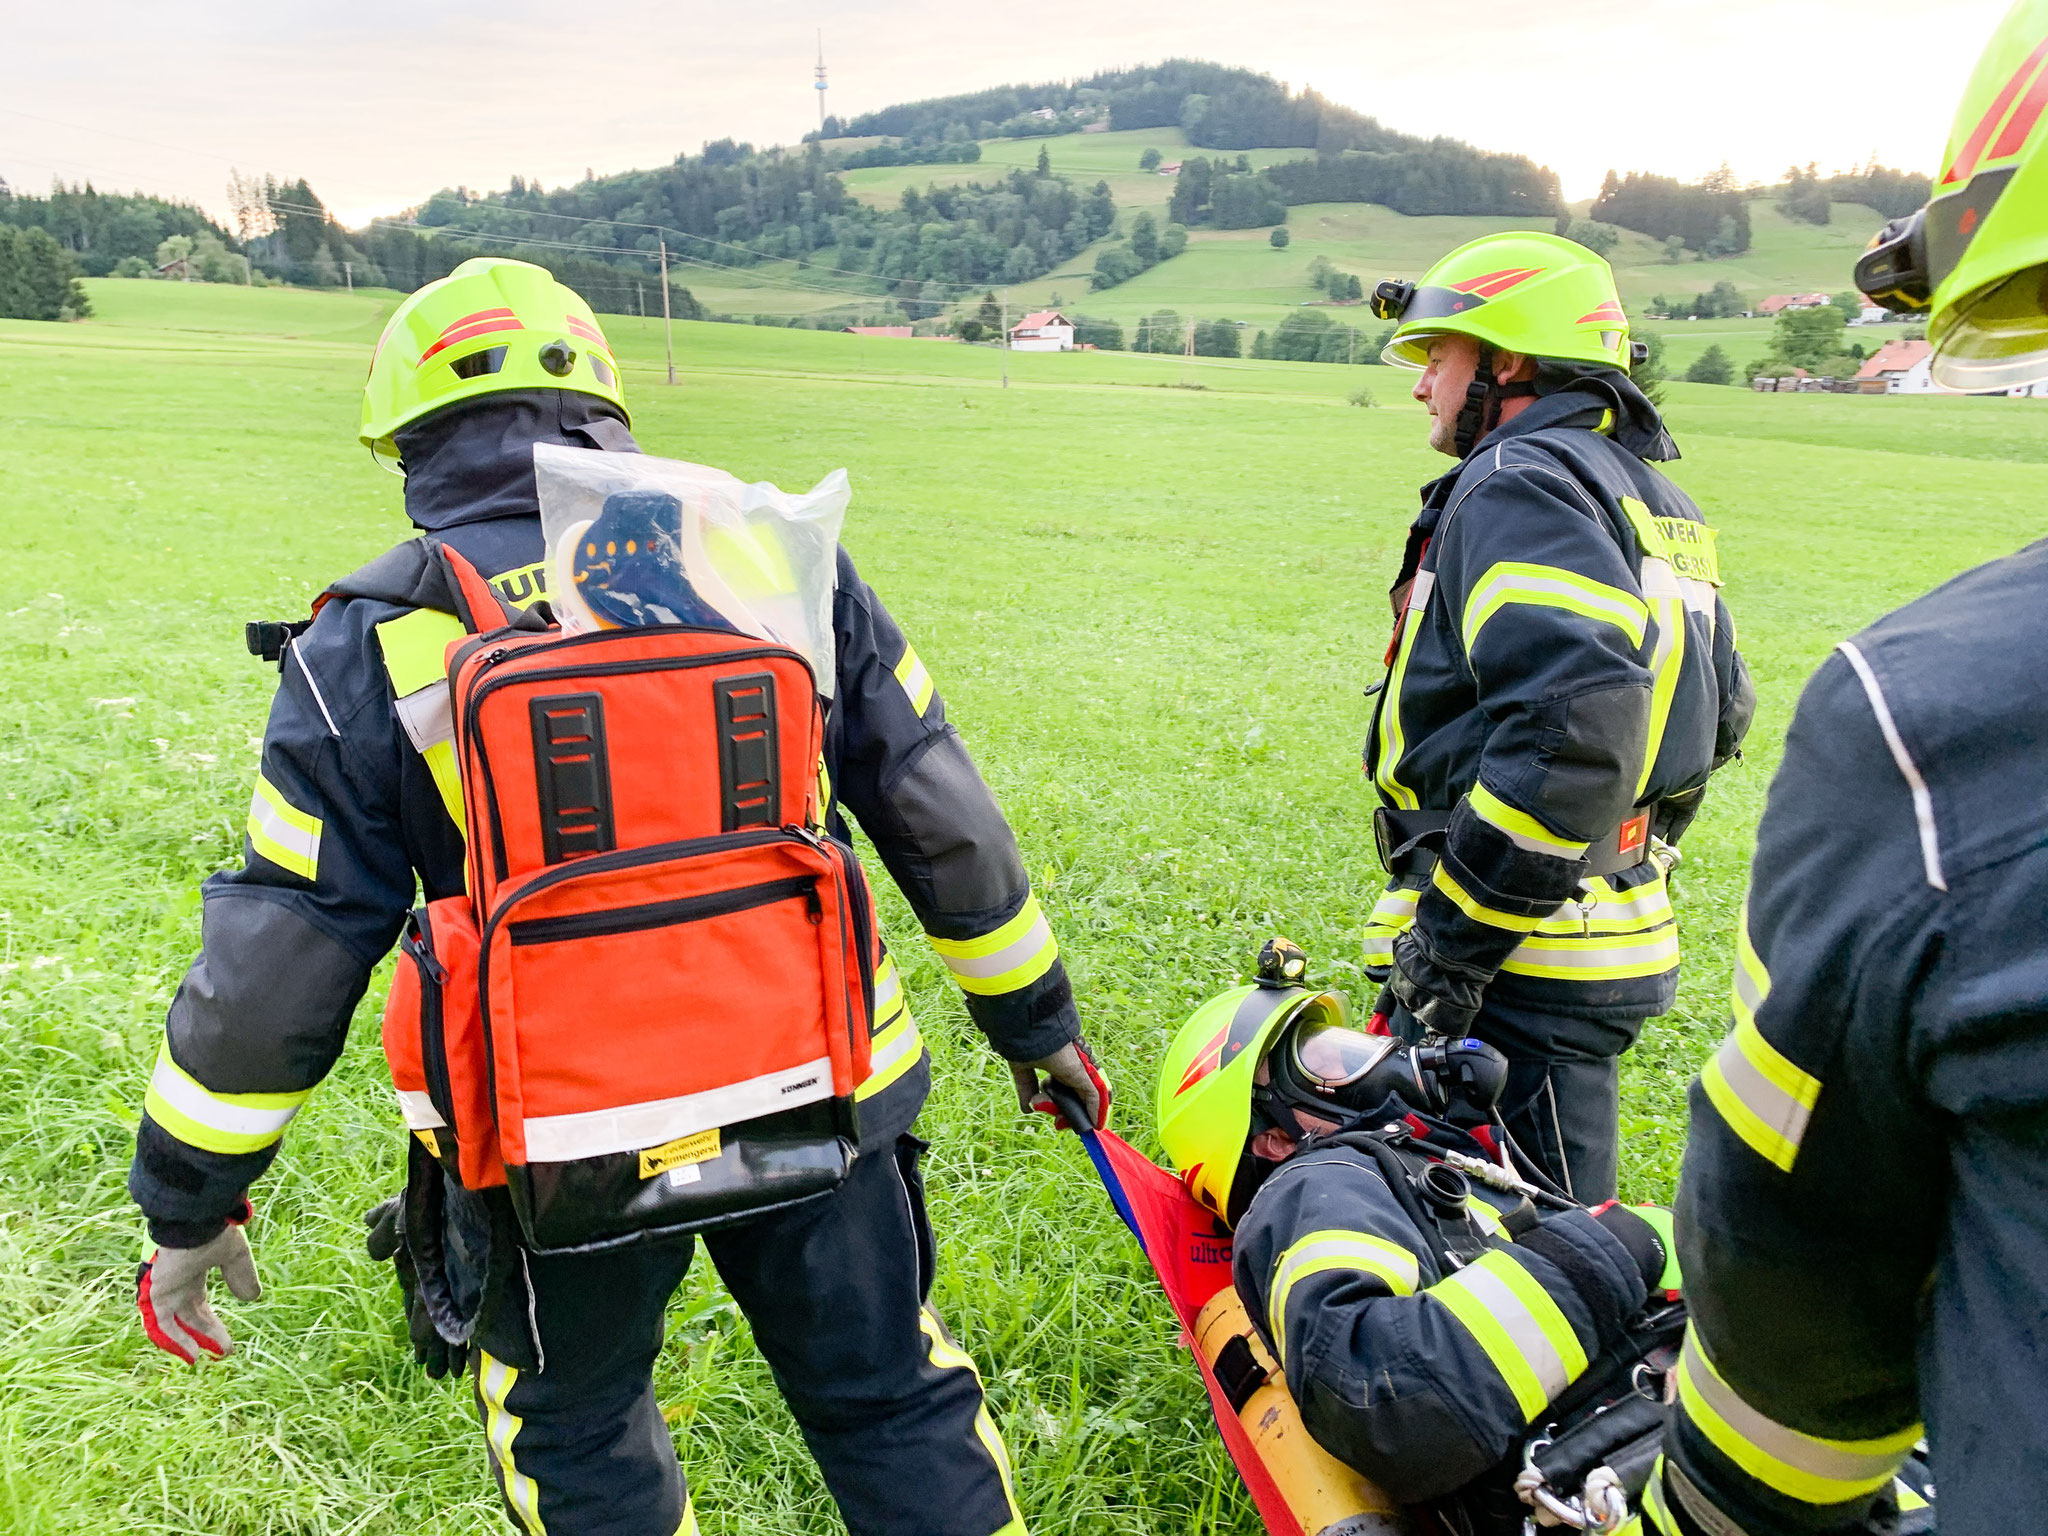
{"points": [[1329, 1054], [1998, 338]]}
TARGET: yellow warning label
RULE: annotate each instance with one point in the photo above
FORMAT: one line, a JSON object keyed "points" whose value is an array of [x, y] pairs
{"points": [[680, 1153], [430, 1141], [1691, 548]]}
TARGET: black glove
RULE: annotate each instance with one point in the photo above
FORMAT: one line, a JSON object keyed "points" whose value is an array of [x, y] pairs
{"points": [[1443, 1002], [385, 1240]]}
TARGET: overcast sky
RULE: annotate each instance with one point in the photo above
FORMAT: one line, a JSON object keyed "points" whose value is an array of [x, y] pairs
{"points": [[378, 103]]}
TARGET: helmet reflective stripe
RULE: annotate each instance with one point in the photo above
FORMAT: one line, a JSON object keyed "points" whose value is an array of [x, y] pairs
{"points": [[1519, 291]]}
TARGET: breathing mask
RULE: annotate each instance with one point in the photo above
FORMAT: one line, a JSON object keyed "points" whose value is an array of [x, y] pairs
{"points": [[1329, 1072]]}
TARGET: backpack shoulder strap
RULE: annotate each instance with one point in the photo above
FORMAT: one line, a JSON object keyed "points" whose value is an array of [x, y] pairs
{"points": [[427, 573]]}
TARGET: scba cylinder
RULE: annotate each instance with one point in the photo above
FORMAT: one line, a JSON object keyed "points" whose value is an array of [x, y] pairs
{"points": [[1325, 1496]]}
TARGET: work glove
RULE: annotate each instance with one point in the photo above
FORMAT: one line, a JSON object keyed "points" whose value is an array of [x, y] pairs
{"points": [[385, 1241], [170, 1291], [1443, 1002], [1072, 1068], [1645, 1231]]}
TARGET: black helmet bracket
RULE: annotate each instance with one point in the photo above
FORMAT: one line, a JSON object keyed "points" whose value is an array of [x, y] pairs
{"points": [[1894, 273], [1480, 413]]}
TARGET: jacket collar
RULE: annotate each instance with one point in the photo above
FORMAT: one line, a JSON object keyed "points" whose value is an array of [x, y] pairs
{"points": [[473, 462]]}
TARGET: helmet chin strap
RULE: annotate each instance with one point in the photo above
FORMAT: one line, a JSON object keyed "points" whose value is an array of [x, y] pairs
{"points": [[1480, 413]]}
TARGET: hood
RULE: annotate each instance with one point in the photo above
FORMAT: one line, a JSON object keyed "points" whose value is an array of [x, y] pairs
{"points": [[1565, 390], [473, 461]]}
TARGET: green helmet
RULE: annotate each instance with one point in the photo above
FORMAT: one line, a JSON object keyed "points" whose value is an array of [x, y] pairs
{"points": [[1977, 254], [1520, 292], [1204, 1108], [491, 325]]}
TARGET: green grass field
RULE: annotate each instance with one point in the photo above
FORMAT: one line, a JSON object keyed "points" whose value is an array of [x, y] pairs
{"points": [[1151, 610]]}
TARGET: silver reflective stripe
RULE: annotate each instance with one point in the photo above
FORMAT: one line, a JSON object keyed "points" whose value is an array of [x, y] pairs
{"points": [[1830, 1460], [419, 1111], [888, 987], [1782, 1112], [1520, 1325], [629, 1127], [427, 719], [1419, 590], [1006, 959], [1699, 597], [1599, 953], [1923, 802], [217, 1112], [897, 1042]]}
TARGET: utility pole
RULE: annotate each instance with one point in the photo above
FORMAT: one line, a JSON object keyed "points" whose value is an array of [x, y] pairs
{"points": [[668, 324], [1006, 340], [248, 272], [348, 274], [820, 82]]}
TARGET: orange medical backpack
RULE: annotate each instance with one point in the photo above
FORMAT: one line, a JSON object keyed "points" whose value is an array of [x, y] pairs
{"points": [[650, 1010]]}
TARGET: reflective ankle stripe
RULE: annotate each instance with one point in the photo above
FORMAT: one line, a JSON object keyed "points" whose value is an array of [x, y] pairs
{"points": [[948, 1355], [1005, 959], [1530, 1342], [494, 1383], [228, 1123], [1790, 1462]]}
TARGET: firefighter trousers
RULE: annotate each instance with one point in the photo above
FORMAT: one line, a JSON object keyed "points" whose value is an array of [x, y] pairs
{"points": [[835, 1290]]}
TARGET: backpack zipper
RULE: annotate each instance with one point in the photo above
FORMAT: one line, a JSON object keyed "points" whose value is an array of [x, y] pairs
{"points": [[417, 942], [666, 914]]}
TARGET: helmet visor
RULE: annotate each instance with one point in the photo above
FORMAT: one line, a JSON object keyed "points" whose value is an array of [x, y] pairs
{"points": [[1999, 338], [1331, 1054]]}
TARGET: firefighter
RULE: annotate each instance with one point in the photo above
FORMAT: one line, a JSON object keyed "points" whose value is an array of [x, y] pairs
{"points": [[357, 798], [1863, 1209], [1562, 680], [1424, 1322]]}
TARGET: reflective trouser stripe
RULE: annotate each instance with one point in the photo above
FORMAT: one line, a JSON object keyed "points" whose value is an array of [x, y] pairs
{"points": [[1520, 828], [917, 682], [1318, 1252], [950, 1356], [494, 1382], [689, 1525], [1530, 1342], [1629, 932], [1654, 1508], [229, 1123], [1608, 957], [1548, 586], [897, 1046], [1013, 956], [283, 833], [1789, 1462]]}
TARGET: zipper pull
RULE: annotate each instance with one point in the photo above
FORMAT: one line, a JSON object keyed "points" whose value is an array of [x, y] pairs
{"points": [[1585, 914], [816, 906], [805, 833]]}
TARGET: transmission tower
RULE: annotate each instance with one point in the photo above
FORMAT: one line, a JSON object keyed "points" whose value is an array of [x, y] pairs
{"points": [[819, 82]]}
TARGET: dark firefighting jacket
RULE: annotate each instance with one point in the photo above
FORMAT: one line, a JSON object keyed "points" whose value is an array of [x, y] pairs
{"points": [[1562, 659], [357, 802], [1422, 1376], [1863, 1212]]}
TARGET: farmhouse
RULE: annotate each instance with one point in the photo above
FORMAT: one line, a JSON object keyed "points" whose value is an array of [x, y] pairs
{"points": [[1897, 368], [1046, 330], [899, 331], [1170, 168], [1783, 301]]}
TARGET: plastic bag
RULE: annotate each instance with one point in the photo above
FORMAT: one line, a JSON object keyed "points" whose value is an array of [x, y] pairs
{"points": [[633, 539]]}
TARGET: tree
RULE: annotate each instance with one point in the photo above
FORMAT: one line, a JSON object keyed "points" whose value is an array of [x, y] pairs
{"points": [[1594, 236], [1804, 196], [1159, 331], [1279, 238], [1722, 302], [1849, 302], [1113, 266], [176, 248], [38, 278], [1172, 241], [991, 313], [1104, 335], [1728, 239], [1149, 161], [1808, 338], [1674, 248], [969, 330], [1145, 239], [1219, 338], [1354, 289], [1044, 162], [1711, 367]]}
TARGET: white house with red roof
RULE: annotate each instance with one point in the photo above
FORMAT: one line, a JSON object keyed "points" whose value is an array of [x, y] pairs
{"points": [[1898, 368], [1044, 330], [1783, 301]]}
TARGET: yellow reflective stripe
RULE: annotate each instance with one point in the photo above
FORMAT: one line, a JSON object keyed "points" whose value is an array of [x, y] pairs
{"points": [[1599, 958], [1488, 1218], [1752, 980], [440, 761], [1668, 607], [1440, 878], [948, 1355], [1391, 916], [1549, 586], [1654, 1508], [916, 681], [1013, 956], [1909, 1498], [1392, 744], [689, 1525], [494, 1382], [897, 1045], [283, 833], [1799, 1466], [1763, 1096], [415, 648], [216, 1122], [1318, 1252], [1529, 1341], [1631, 910], [1524, 830]]}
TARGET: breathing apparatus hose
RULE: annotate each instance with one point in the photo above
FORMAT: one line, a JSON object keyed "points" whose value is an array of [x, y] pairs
{"points": [[1528, 1167]]}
